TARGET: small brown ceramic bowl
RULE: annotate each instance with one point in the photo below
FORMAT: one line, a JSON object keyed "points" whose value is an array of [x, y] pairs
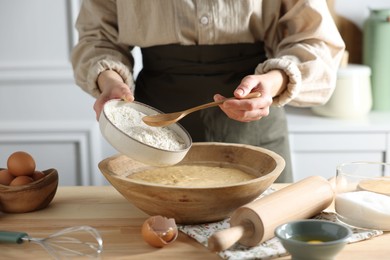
{"points": [[33, 196]]}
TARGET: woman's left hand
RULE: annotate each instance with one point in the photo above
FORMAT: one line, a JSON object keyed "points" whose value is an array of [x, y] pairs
{"points": [[269, 85]]}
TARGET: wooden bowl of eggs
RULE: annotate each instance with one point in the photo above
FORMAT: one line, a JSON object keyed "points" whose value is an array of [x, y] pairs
{"points": [[23, 188], [210, 182]]}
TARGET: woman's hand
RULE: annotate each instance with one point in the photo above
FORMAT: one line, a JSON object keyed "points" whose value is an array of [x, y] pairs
{"points": [[269, 85], [111, 86]]}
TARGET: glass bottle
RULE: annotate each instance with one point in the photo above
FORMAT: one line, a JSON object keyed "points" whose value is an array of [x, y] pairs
{"points": [[376, 54]]}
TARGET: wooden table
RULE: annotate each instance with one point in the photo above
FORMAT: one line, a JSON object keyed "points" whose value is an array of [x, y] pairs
{"points": [[119, 223]]}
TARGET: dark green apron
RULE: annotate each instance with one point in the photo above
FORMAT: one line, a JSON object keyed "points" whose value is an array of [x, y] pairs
{"points": [[176, 77]]}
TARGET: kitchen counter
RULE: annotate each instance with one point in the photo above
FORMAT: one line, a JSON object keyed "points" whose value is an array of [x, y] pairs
{"points": [[119, 224], [305, 120], [321, 143]]}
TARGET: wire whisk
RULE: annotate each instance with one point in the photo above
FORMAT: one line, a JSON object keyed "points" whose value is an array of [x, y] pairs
{"points": [[61, 245]]}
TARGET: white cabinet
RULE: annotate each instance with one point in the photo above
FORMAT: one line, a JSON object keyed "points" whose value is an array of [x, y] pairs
{"points": [[319, 144]]}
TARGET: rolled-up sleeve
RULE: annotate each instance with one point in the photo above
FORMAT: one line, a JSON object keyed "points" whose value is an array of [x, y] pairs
{"points": [[98, 48], [302, 39]]}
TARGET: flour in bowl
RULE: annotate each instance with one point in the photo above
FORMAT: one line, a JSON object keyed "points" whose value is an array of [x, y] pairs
{"points": [[364, 209], [130, 122]]}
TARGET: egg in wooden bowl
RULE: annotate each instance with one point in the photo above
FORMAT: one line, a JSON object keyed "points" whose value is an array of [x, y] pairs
{"points": [[29, 197], [183, 197], [22, 187]]}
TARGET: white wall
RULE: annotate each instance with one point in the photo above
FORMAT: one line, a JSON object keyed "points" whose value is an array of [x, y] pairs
{"points": [[42, 111]]}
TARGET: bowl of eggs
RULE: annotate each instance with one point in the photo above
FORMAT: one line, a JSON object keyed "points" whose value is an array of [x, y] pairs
{"points": [[211, 181], [22, 187]]}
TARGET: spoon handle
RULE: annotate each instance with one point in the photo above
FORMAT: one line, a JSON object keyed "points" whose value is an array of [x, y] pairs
{"points": [[216, 103]]}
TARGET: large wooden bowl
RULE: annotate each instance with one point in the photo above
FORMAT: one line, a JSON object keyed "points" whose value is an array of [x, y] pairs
{"points": [[197, 205]]}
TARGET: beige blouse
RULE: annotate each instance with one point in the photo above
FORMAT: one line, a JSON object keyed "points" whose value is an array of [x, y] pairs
{"points": [[300, 38]]}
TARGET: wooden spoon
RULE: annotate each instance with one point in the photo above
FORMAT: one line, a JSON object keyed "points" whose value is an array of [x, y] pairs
{"points": [[160, 120]]}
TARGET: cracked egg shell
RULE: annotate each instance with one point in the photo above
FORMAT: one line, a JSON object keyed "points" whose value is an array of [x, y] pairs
{"points": [[159, 231]]}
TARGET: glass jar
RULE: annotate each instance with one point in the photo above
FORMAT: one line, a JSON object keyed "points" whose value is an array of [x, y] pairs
{"points": [[363, 194]]}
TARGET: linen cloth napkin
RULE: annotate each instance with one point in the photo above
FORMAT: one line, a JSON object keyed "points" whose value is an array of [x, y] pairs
{"points": [[269, 249]]}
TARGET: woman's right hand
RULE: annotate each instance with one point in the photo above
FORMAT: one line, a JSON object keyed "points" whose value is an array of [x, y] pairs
{"points": [[111, 86]]}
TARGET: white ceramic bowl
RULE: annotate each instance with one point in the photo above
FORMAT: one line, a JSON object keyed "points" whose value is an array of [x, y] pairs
{"points": [[136, 149]]}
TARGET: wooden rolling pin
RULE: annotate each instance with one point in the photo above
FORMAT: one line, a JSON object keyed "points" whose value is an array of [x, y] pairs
{"points": [[256, 221]]}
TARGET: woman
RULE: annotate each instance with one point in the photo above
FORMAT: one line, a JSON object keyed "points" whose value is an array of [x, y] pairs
{"points": [[193, 51]]}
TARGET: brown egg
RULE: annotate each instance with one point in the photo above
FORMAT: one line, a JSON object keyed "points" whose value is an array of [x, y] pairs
{"points": [[159, 231], [37, 175], [21, 164], [6, 177], [21, 180]]}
